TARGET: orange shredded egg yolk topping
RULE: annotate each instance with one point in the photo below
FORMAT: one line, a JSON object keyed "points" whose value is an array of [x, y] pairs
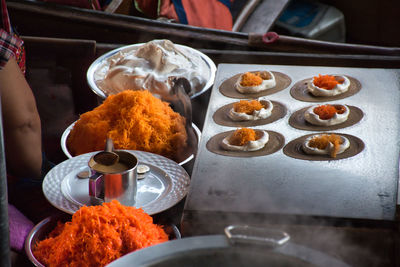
{"points": [[248, 107], [326, 112], [243, 135], [134, 120], [98, 235], [327, 81], [321, 142], [251, 79]]}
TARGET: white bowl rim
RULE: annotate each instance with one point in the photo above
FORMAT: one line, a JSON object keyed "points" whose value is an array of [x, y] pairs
{"points": [[93, 67], [65, 134]]}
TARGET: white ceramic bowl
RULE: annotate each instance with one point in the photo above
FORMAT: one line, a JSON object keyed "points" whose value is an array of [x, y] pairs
{"points": [[69, 128], [100, 60]]}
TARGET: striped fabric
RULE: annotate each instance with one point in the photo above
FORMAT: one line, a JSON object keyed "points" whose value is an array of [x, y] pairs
{"points": [[9, 45]]}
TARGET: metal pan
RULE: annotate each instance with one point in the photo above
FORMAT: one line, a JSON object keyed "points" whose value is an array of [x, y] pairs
{"points": [[262, 247]]}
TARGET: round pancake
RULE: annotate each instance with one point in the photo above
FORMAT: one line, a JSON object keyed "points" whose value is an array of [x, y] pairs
{"points": [[298, 121], [227, 88], [294, 149], [301, 92], [221, 116], [275, 143]]}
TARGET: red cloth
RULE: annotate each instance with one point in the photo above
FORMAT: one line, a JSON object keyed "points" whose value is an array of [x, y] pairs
{"points": [[212, 14], [202, 13]]}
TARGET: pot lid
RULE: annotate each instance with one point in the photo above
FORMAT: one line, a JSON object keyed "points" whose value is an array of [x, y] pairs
{"points": [[218, 250]]}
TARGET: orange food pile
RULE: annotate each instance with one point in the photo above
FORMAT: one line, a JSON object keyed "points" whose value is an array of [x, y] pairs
{"points": [[98, 235], [321, 142], [134, 120], [326, 112], [242, 136], [247, 107], [251, 79], [326, 81]]}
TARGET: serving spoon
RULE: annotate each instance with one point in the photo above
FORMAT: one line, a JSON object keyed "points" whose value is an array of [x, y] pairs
{"points": [[108, 156]]}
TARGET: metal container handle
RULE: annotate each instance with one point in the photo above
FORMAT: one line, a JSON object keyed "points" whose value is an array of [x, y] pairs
{"points": [[95, 186], [245, 234]]}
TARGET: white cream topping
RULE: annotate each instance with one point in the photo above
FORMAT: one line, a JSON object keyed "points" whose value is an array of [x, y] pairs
{"points": [[250, 146], [150, 66], [266, 84], [313, 118], [329, 148], [338, 89], [263, 113]]}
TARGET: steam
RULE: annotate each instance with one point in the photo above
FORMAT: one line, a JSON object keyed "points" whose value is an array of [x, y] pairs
{"points": [[355, 246]]}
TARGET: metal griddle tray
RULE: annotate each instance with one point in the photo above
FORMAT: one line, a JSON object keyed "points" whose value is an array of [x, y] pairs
{"points": [[360, 187]]}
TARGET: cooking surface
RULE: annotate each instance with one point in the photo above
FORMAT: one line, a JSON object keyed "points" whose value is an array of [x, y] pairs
{"points": [[361, 187]]}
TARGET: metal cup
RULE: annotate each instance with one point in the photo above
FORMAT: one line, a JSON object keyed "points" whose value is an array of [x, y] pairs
{"points": [[117, 181]]}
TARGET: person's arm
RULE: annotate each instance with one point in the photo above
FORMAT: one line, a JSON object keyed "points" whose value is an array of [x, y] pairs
{"points": [[21, 123]]}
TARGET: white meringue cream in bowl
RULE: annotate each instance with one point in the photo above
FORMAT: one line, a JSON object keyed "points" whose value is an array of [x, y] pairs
{"points": [[151, 66]]}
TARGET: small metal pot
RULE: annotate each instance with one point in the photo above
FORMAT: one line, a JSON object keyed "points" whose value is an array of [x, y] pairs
{"points": [[236, 248], [107, 184]]}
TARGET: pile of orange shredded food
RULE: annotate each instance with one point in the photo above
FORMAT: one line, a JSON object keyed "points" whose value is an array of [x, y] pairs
{"points": [[326, 112], [322, 141], [247, 107], [251, 79], [98, 235], [327, 81], [242, 136], [134, 120]]}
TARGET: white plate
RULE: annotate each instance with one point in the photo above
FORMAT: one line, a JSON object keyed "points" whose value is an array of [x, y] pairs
{"points": [[99, 61], [165, 185], [68, 130]]}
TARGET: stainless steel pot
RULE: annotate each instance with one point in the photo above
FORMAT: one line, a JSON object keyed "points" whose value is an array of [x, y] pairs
{"points": [[240, 246]]}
